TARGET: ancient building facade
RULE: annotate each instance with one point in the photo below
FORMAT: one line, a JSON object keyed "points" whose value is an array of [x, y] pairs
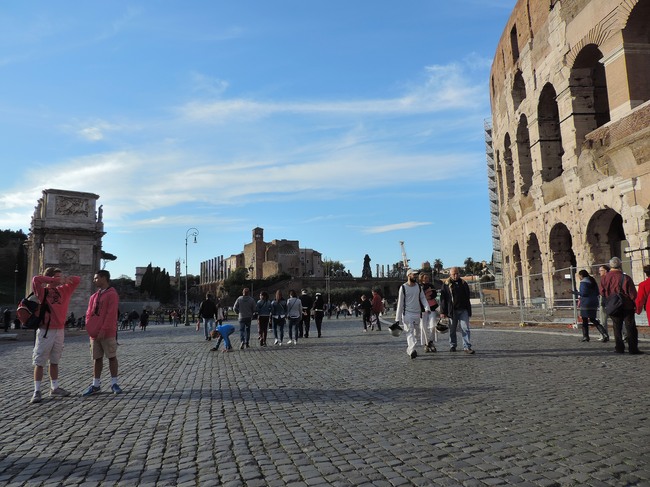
{"points": [[66, 232], [570, 91]]}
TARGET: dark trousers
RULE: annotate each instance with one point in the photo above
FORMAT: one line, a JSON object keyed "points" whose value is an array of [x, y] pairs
{"points": [[306, 319], [366, 320], [263, 328], [585, 326], [632, 333], [318, 319]]}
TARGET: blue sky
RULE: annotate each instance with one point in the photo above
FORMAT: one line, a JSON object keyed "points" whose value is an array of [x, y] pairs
{"points": [[347, 125]]}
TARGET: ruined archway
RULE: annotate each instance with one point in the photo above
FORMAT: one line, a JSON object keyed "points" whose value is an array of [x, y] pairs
{"points": [[636, 34], [605, 235], [588, 87], [523, 155], [563, 259], [518, 89], [550, 138], [509, 167], [514, 283], [534, 268]]}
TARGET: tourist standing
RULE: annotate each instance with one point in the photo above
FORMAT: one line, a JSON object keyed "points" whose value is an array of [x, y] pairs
{"points": [[604, 318], [377, 309], [278, 313], [430, 317], [643, 296], [101, 325], [294, 315], [366, 311], [589, 294], [615, 282], [208, 314], [307, 304], [455, 304], [245, 308], [54, 290], [319, 312], [411, 302], [263, 317]]}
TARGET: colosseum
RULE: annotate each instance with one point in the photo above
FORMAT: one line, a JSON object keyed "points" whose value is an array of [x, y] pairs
{"points": [[570, 91]]}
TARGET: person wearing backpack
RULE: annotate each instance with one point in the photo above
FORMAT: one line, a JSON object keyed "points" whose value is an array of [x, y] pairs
{"points": [[411, 302], [54, 291], [101, 324]]}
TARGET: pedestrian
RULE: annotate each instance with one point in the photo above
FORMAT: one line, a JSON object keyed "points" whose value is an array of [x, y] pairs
{"points": [[643, 296], [615, 283], [411, 302], [174, 317], [55, 290], [134, 319], [208, 314], [307, 304], [455, 304], [319, 312], [294, 316], [366, 311], [278, 313], [604, 318], [429, 318], [377, 309], [263, 309], [6, 316], [144, 319], [245, 308], [101, 325], [223, 332], [589, 294]]}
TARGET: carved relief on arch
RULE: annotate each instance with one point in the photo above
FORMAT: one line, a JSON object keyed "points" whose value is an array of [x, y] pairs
{"points": [[71, 206]]}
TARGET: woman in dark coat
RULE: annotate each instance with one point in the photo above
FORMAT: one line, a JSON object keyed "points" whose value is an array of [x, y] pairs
{"points": [[588, 292]]}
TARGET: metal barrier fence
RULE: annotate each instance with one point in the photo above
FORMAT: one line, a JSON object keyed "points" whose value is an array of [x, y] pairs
{"points": [[528, 300]]}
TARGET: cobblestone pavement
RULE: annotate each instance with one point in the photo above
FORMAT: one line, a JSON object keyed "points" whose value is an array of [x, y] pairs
{"points": [[350, 408]]}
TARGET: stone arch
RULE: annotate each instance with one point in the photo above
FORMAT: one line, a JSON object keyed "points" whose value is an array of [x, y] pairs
{"points": [[514, 43], [637, 60], [499, 173], [508, 167], [550, 138], [605, 235], [514, 283], [518, 89], [523, 155], [563, 258], [588, 86], [534, 260]]}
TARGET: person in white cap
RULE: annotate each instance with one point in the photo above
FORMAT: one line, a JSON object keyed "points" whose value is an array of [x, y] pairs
{"points": [[411, 302]]}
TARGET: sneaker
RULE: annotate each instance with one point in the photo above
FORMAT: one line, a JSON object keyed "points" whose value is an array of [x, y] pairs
{"points": [[214, 349], [91, 390], [295, 342], [36, 398], [241, 347], [276, 341], [248, 346], [289, 342], [452, 349], [469, 351], [414, 354], [59, 392], [116, 389]]}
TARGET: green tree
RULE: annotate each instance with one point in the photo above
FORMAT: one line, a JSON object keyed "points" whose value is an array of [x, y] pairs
{"points": [[437, 266]]}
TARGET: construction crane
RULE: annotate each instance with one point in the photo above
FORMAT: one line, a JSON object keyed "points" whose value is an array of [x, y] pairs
{"points": [[405, 259]]}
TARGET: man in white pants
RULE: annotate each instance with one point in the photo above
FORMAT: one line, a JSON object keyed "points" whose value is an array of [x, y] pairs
{"points": [[411, 302]]}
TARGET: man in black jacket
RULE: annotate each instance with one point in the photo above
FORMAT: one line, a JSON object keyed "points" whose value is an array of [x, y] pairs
{"points": [[455, 304], [208, 313], [307, 303]]}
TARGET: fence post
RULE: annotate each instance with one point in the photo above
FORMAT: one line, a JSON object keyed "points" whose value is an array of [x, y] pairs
{"points": [[482, 298], [574, 301], [521, 298]]}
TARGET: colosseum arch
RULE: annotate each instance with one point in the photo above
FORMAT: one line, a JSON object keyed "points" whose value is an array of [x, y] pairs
{"points": [[523, 155], [508, 166], [550, 138], [588, 87], [605, 235], [534, 259], [563, 258], [636, 34], [518, 89], [514, 282]]}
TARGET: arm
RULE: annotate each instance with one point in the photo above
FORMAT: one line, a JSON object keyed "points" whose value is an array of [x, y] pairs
{"points": [[109, 321], [399, 313], [423, 300], [641, 297]]}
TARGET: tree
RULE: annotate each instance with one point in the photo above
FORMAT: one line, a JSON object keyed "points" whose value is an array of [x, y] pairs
{"points": [[437, 266], [366, 273], [333, 266]]}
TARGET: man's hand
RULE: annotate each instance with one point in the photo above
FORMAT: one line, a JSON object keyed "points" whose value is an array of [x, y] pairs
{"points": [[443, 316]]}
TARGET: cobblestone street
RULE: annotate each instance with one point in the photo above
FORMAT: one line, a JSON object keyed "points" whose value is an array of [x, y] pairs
{"points": [[531, 407]]}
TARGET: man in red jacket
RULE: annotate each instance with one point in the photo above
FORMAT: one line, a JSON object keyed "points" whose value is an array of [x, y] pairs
{"points": [[101, 325], [55, 290]]}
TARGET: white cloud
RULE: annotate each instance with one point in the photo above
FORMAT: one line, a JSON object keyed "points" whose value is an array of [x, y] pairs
{"points": [[395, 227]]}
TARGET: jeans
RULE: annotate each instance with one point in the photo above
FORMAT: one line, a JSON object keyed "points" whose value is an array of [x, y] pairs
{"points": [[208, 326], [461, 316], [278, 329], [245, 330], [294, 327]]}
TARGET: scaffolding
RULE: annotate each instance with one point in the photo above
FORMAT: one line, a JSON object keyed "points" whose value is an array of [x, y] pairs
{"points": [[497, 264]]}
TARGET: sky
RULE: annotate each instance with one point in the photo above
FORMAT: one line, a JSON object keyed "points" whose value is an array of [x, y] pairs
{"points": [[348, 125]]}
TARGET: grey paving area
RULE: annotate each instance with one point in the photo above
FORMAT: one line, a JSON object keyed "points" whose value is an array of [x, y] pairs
{"points": [[347, 409]]}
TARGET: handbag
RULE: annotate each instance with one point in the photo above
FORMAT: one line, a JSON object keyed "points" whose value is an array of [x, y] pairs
{"points": [[614, 303]]}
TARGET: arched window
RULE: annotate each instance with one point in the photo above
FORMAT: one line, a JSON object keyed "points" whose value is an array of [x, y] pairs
{"points": [[508, 166], [550, 138], [523, 155], [636, 34]]}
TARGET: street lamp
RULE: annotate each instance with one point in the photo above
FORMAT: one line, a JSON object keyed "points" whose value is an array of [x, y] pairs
{"points": [[191, 232], [16, 285]]}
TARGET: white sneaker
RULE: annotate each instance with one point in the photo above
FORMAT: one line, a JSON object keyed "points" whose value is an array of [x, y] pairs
{"points": [[276, 341], [289, 342]]}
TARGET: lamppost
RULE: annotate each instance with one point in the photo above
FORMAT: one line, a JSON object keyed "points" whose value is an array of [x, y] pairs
{"points": [[16, 286], [251, 271], [191, 232]]}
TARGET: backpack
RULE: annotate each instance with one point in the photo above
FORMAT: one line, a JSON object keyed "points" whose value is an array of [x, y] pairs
{"points": [[31, 312]]}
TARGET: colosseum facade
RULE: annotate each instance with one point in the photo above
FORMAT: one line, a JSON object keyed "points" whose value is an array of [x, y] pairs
{"points": [[570, 91]]}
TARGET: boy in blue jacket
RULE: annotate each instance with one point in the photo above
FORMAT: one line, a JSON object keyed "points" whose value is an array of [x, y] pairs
{"points": [[223, 332]]}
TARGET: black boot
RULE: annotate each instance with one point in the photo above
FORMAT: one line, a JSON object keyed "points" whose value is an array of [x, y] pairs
{"points": [[602, 331], [585, 333]]}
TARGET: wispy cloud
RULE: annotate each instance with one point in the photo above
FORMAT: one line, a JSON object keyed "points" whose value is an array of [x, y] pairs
{"points": [[395, 227]]}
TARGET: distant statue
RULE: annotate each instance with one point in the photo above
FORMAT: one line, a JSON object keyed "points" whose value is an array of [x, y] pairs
{"points": [[100, 213], [366, 273]]}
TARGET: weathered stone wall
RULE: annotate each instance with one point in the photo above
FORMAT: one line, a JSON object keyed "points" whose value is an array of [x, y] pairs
{"points": [[570, 102]]}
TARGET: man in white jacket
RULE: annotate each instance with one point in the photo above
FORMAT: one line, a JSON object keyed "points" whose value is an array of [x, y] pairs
{"points": [[411, 302]]}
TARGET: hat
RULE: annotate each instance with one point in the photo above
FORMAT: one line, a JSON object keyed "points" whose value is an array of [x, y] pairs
{"points": [[318, 294], [412, 271], [304, 291]]}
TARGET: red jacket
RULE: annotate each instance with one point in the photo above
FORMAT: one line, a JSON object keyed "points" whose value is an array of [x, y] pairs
{"points": [[643, 298], [102, 313], [58, 298], [610, 284]]}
